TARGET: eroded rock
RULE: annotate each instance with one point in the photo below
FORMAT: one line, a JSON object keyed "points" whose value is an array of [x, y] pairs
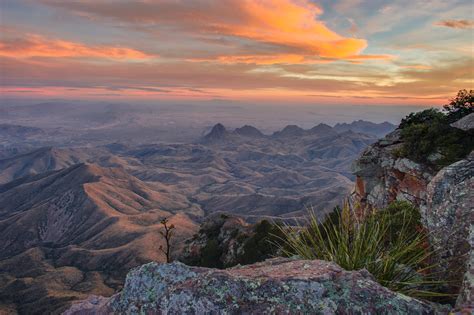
{"points": [[382, 177], [448, 214], [276, 286]]}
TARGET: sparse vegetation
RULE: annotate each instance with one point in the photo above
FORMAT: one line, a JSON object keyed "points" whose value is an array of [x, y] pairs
{"points": [[460, 106], [261, 245], [390, 244], [167, 235], [428, 137], [211, 255], [260, 242]]}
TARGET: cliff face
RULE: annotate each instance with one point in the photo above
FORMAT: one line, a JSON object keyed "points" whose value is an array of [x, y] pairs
{"points": [[382, 177], [276, 286], [445, 199], [448, 214]]}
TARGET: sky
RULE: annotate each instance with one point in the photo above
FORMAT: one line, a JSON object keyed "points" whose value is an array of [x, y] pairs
{"points": [[404, 52]]}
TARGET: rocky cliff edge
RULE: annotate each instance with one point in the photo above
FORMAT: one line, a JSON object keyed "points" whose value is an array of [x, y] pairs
{"points": [[275, 286]]}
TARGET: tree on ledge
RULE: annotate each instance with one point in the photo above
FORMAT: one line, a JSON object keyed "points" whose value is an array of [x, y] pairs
{"points": [[167, 234], [460, 106]]}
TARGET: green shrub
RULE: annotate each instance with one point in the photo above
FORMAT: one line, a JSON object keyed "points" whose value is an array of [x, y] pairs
{"points": [[428, 137], [460, 106], [211, 255], [426, 116], [421, 140], [390, 244], [263, 244]]}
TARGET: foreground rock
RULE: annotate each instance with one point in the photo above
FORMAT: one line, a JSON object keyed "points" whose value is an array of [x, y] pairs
{"points": [[281, 286]]}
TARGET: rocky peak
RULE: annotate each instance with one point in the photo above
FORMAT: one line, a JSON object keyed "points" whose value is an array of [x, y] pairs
{"points": [[249, 131], [290, 131], [367, 127], [275, 286], [217, 133], [322, 129]]}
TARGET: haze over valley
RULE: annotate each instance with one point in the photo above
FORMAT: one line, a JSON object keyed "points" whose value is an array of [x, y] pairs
{"points": [[83, 187]]}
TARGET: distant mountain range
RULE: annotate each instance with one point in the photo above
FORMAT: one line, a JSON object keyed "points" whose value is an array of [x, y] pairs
{"points": [[87, 215], [379, 130], [218, 132]]}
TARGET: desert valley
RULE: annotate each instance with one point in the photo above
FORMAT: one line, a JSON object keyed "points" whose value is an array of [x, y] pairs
{"points": [[84, 216]]}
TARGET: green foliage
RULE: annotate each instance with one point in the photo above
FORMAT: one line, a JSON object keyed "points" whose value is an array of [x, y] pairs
{"points": [[390, 244], [421, 140], [263, 244], [211, 255], [460, 106], [426, 116], [428, 137]]}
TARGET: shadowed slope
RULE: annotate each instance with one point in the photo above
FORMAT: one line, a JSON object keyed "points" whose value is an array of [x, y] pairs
{"points": [[81, 222]]}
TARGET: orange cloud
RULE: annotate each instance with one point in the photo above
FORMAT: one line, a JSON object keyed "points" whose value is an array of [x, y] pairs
{"points": [[38, 46], [274, 27], [460, 24], [264, 59], [293, 24]]}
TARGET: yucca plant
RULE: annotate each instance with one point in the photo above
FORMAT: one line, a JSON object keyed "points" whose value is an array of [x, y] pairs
{"points": [[389, 243]]}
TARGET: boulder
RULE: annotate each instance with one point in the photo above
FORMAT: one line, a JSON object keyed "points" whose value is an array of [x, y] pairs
{"points": [[448, 214], [465, 123], [275, 286]]}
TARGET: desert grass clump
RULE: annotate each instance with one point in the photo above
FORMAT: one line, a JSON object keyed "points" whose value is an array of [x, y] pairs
{"points": [[390, 244]]}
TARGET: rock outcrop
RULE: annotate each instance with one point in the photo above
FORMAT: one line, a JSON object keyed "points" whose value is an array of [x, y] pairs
{"points": [[218, 133], [219, 242], [448, 214], [276, 286], [225, 241], [445, 199], [382, 177], [249, 131], [465, 123]]}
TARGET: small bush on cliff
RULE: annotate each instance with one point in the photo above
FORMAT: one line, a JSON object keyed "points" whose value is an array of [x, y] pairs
{"points": [[263, 244], [428, 137], [460, 106], [211, 255], [390, 244], [248, 246]]}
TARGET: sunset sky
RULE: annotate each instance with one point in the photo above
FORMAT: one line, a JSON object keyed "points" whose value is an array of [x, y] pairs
{"points": [[348, 51]]}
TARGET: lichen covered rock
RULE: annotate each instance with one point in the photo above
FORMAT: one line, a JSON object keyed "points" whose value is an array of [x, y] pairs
{"points": [[448, 214], [276, 286]]}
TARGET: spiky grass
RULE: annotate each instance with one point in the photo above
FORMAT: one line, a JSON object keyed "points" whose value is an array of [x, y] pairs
{"points": [[390, 244]]}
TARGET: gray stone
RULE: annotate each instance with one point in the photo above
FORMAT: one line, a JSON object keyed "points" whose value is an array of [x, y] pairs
{"points": [[276, 286], [465, 123], [448, 214]]}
